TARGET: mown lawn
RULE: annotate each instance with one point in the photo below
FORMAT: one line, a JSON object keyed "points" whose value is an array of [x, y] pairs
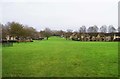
{"points": [[0, 60], [58, 57]]}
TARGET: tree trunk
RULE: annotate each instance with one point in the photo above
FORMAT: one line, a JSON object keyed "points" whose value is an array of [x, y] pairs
{"points": [[47, 38]]}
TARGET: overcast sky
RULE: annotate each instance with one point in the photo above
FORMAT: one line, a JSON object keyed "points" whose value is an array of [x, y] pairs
{"points": [[60, 14]]}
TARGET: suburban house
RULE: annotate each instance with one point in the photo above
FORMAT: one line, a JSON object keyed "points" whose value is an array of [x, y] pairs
{"points": [[8, 37], [95, 36], [17, 39], [116, 37]]}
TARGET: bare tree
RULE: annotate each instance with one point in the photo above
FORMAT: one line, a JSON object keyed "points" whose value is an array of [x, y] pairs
{"points": [[82, 29], [47, 33], [61, 32], [57, 32], [68, 33], [5, 31], [103, 29], [1, 25], [92, 29], [69, 30], [111, 29], [30, 32]]}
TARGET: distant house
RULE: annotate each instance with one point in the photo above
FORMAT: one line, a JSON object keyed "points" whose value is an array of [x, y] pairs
{"points": [[8, 37], [95, 36], [17, 39], [116, 37], [74, 36]]}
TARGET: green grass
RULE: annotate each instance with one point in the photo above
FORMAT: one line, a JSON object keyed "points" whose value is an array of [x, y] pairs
{"points": [[0, 60], [58, 57]]}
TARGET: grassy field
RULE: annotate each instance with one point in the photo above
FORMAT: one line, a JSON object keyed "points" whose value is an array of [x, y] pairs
{"points": [[58, 57], [0, 60]]}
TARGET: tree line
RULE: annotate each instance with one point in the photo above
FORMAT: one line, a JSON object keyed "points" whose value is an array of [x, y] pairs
{"points": [[20, 31]]}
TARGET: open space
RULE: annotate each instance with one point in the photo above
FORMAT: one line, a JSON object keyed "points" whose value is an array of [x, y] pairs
{"points": [[58, 57]]}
